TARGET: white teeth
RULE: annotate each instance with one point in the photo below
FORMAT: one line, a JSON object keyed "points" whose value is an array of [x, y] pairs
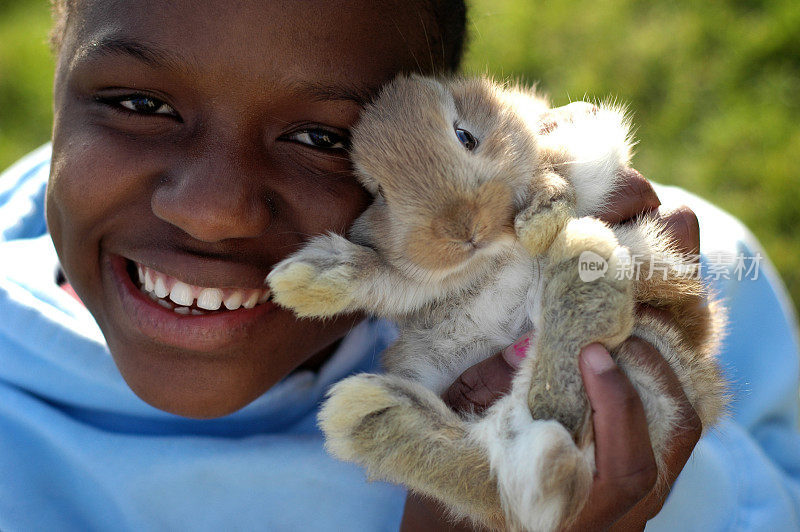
{"points": [[148, 281], [181, 294], [234, 300], [251, 300], [160, 287], [209, 298]]}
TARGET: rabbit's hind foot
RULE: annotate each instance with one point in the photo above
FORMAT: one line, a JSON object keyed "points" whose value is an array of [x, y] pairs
{"points": [[403, 433], [589, 280], [584, 300]]}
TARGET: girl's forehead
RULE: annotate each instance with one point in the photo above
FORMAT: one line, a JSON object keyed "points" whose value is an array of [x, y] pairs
{"points": [[308, 40]]}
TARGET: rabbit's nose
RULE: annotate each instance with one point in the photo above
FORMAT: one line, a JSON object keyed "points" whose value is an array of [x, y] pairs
{"points": [[457, 222]]}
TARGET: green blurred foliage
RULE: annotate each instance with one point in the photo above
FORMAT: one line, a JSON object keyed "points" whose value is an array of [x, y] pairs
{"points": [[713, 88], [26, 77]]}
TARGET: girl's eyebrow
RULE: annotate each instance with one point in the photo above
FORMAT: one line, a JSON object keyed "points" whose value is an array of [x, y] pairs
{"points": [[152, 54], [323, 92]]}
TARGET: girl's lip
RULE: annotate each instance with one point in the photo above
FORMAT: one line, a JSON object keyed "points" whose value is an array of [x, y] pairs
{"points": [[202, 333]]}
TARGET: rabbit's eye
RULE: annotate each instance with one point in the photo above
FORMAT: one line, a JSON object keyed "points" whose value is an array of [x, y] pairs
{"points": [[466, 138]]}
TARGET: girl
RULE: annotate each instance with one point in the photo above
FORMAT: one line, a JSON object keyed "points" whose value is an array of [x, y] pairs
{"points": [[196, 144]]}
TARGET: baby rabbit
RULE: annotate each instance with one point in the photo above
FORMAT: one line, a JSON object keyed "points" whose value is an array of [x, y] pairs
{"points": [[480, 231]]}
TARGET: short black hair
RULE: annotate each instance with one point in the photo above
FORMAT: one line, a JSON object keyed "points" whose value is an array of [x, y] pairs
{"points": [[450, 17], [60, 11]]}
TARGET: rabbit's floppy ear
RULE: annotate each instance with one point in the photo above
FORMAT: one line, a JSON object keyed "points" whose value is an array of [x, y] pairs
{"points": [[399, 129]]}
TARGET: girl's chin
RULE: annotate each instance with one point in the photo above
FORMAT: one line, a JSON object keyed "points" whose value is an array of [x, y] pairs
{"points": [[191, 386]]}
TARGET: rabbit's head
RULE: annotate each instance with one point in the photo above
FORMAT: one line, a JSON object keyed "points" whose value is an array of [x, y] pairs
{"points": [[450, 162]]}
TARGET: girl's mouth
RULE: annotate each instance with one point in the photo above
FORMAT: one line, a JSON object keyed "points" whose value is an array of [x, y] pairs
{"points": [[187, 299], [173, 312]]}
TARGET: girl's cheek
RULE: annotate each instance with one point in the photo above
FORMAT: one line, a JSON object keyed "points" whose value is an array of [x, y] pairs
{"points": [[315, 201], [93, 180], [333, 212]]}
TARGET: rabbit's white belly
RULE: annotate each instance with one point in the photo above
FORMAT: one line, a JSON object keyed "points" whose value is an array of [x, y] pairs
{"points": [[463, 330]]}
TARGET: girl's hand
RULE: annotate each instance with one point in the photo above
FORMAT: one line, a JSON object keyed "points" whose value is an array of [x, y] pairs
{"points": [[622, 497]]}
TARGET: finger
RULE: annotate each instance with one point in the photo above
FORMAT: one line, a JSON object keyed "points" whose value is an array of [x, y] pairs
{"points": [[689, 427], [686, 435], [684, 227], [485, 382], [633, 197], [624, 457], [480, 386]]}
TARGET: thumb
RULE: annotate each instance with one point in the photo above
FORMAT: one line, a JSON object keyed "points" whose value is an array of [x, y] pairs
{"points": [[481, 385]]}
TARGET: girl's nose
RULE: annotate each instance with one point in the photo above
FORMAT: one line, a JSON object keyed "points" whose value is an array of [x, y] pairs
{"points": [[213, 197]]}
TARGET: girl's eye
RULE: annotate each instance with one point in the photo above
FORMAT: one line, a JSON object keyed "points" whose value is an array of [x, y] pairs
{"points": [[146, 105], [320, 138], [466, 138], [143, 105]]}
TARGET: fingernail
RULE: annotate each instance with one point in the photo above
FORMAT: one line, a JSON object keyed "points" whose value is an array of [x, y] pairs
{"points": [[516, 352], [597, 358]]}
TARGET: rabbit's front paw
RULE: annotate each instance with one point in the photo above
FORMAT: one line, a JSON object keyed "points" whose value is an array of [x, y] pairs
{"points": [[537, 227], [316, 281], [550, 210]]}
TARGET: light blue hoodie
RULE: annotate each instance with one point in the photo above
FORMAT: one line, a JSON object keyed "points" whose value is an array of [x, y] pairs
{"points": [[79, 451]]}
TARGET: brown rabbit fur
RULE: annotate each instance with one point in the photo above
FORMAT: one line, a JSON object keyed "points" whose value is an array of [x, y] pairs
{"points": [[479, 228]]}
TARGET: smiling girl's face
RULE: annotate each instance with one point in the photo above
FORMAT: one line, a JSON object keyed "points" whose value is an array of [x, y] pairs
{"points": [[198, 144]]}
